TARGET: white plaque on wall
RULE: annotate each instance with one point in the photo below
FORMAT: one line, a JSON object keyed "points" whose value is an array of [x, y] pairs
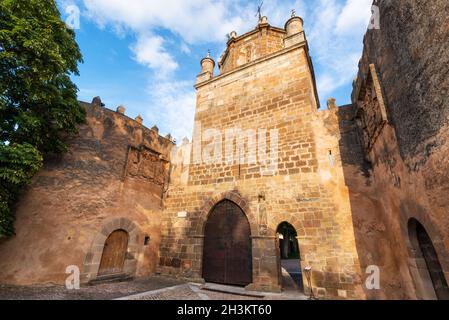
{"points": [[182, 214]]}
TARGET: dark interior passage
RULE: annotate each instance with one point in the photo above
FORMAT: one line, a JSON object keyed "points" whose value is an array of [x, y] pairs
{"points": [[290, 264], [425, 249]]}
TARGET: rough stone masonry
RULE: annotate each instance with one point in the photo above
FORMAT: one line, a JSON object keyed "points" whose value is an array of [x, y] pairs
{"points": [[363, 185]]}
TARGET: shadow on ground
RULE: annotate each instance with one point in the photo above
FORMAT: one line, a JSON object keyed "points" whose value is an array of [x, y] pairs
{"points": [[105, 291]]}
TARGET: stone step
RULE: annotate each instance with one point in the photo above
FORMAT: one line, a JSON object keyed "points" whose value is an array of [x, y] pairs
{"points": [[231, 290], [110, 278]]}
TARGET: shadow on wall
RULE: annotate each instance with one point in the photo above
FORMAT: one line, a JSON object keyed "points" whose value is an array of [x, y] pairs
{"points": [[400, 127], [370, 221], [383, 205]]}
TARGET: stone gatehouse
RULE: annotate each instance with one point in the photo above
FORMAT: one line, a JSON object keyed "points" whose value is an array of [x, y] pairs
{"points": [[359, 186]]}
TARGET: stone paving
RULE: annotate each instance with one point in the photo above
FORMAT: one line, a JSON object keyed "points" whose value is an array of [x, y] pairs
{"points": [[193, 291], [106, 291], [155, 288]]}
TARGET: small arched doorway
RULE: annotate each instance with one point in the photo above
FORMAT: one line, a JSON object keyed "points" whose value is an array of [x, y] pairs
{"points": [[114, 253], [289, 258], [427, 262], [227, 254]]}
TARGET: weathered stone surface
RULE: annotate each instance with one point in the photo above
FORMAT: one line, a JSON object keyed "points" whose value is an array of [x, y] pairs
{"points": [[407, 173], [78, 200], [410, 53], [256, 44], [351, 180], [273, 92]]}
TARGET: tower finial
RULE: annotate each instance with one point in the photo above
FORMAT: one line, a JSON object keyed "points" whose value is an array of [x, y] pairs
{"points": [[259, 10], [293, 13], [207, 68]]}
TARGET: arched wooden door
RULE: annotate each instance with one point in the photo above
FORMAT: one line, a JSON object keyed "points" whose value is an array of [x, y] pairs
{"points": [[114, 253], [227, 256]]}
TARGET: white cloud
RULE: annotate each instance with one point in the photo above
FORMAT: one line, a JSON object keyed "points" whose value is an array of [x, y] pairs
{"points": [[149, 51], [340, 74], [185, 48], [334, 29], [354, 16], [175, 103], [193, 20]]}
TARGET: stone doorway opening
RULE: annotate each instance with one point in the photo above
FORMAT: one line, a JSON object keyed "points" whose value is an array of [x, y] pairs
{"points": [[114, 254], [289, 265], [432, 282], [227, 253]]}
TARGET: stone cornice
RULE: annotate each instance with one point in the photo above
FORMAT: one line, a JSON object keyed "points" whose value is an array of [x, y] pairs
{"points": [[253, 63]]}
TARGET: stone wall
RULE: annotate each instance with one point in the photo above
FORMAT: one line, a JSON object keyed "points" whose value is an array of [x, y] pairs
{"points": [[113, 177], [410, 54], [259, 43], [352, 181], [402, 124], [306, 189]]}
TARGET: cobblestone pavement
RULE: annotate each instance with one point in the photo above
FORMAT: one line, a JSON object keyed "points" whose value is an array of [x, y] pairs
{"points": [[156, 288], [191, 291], [98, 292]]}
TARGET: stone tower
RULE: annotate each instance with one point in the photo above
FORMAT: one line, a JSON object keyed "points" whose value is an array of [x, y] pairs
{"points": [[260, 156]]}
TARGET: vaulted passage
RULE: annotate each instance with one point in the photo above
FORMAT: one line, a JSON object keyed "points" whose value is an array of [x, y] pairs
{"points": [[114, 253], [290, 258], [227, 257]]}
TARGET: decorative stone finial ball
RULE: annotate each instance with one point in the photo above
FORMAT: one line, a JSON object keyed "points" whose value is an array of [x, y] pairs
{"points": [[121, 109]]}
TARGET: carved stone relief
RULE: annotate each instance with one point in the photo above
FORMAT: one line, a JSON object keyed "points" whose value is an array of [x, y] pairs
{"points": [[146, 164]]}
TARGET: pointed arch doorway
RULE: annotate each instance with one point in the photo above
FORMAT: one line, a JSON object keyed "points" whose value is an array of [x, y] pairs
{"points": [[227, 253], [429, 267]]}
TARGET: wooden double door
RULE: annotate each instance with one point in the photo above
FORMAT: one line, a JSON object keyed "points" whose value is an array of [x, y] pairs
{"points": [[227, 256]]}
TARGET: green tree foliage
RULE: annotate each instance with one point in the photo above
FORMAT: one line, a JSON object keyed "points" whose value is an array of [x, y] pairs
{"points": [[38, 100]]}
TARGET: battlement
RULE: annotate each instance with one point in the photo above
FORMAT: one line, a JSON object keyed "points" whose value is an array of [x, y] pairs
{"points": [[98, 105]]}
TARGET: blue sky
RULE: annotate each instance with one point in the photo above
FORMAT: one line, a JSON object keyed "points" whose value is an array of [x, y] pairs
{"points": [[145, 54]]}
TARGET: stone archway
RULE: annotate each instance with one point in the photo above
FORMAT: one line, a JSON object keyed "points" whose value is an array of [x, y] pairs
{"points": [[289, 258], [233, 196], [426, 267], [227, 254], [95, 254], [288, 244]]}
